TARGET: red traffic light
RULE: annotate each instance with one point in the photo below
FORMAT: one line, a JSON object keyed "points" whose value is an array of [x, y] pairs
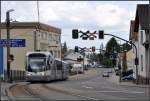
{"points": [[11, 57], [93, 49]]}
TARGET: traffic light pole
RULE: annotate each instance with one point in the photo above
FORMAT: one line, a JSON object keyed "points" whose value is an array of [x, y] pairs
{"points": [[136, 59]]}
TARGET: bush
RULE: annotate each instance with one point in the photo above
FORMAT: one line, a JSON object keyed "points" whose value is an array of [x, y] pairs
{"points": [[128, 72]]}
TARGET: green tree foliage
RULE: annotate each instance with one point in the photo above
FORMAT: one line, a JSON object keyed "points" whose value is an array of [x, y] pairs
{"points": [[126, 46], [112, 46]]}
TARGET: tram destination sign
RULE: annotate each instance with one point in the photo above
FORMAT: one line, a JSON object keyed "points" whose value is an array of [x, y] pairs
{"points": [[13, 42]]}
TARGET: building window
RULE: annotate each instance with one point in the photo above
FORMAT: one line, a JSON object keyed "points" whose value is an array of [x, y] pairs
{"points": [[50, 36], [142, 33], [141, 62]]}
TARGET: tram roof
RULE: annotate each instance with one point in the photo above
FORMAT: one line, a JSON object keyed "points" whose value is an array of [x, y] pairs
{"points": [[41, 52]]}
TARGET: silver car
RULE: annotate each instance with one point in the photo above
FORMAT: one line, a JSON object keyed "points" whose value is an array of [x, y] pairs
{"points": [[105, 74]]}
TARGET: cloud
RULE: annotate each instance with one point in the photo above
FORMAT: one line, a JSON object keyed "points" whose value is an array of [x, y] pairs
{"points": [[112, 17]]}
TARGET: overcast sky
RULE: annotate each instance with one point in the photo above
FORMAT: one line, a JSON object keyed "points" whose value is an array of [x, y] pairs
{"points": [[111, 16]]}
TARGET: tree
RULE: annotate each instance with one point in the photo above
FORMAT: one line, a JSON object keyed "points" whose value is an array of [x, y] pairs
{"points": [[112, 48], [64, 49]]}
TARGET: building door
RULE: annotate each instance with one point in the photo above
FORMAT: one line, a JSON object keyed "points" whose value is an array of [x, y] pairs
{"points": [[1, 63]]}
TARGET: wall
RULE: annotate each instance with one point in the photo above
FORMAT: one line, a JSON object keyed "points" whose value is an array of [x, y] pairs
{"points": [[19, 52], [141, 52]]}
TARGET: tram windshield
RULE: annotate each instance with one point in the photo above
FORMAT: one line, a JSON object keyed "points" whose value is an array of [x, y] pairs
{"points": [[36, 64]]}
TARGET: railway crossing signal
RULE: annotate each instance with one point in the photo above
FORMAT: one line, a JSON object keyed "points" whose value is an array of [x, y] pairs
{"points": [[93, 49]]}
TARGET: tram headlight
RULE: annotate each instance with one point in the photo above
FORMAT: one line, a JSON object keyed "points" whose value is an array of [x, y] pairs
{"points": [[41, 73], [28, 74]]}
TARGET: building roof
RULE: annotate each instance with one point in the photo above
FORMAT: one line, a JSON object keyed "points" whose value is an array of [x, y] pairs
{"points": [[142, 16], [133, 35], [35, 25]]}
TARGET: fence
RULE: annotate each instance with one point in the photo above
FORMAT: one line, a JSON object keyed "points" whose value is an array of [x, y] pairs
{"points": [[16, 75]]}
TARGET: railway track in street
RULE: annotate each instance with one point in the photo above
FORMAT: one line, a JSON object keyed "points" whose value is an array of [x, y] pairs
{"points": [[42, 92], [68, 93], [23, 92]]}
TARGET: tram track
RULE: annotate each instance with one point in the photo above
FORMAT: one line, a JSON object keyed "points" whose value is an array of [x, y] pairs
{"points": [[68, 92], [23, 92]]}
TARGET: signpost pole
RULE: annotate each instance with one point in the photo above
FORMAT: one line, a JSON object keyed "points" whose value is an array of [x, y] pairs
{"points": [[8, 45], [8, 42]]}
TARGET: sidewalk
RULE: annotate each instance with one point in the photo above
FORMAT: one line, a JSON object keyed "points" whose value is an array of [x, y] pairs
{"points": [[115, 79]]}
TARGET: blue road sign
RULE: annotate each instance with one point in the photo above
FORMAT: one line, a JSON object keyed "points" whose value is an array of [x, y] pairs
{"points": [[1, 62], [13, 42]]}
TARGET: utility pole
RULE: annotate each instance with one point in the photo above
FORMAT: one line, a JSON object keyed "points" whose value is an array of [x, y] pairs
{"points": [[8, 43]]}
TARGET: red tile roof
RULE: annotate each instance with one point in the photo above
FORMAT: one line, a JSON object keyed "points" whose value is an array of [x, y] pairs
{"points": [[133, 35]]}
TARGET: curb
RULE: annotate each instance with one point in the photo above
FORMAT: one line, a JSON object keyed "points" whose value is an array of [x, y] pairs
{"points": [[135, 86], [8, 93]]}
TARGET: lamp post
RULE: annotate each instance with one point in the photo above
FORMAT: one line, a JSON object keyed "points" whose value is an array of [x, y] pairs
{"points": [[8, 43]]}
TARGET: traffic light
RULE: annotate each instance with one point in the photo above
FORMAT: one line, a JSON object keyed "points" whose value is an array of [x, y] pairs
{"points": [[136, 61], [11, 57], [75, 34], [101, 34], [79, 59], [76, 49], [93, 49]]}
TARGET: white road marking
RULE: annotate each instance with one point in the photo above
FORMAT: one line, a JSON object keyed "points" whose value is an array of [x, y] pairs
{"points": [[87, 87], [91, 98], [119, 91]]}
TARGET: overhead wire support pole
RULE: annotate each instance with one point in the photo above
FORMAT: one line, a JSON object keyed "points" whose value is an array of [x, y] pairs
{"points": [[38, 26]]}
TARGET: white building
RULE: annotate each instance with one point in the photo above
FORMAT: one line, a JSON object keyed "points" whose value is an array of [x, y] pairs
{"points": [[141, 27]]}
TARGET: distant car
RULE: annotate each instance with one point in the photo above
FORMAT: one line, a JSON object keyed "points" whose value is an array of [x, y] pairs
{"points": [[110, 71], [100, 66], [116, 69], [117, 72], [129, 77], [105, 74]]}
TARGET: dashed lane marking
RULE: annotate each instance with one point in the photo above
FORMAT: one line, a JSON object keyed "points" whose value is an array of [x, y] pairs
{"points": [[87, 87]]}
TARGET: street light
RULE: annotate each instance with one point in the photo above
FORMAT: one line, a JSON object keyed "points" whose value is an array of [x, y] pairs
{"points": [[8, 42]]}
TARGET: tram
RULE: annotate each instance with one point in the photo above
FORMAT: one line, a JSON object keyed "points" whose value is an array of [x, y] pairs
{"points": [[42, 66]]}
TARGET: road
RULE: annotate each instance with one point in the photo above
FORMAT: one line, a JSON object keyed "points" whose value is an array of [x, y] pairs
{"points": [[86, 87]]}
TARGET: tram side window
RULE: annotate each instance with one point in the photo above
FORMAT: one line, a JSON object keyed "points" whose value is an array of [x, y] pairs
{"points": [[59, 65], [49, 63]]}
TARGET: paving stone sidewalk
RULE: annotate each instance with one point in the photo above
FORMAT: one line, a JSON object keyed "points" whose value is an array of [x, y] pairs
{"points": [[115, 79], [4, 86]]}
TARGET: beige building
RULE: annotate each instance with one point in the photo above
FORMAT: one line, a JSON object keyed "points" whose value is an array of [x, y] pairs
{"points": [[48, 38]]}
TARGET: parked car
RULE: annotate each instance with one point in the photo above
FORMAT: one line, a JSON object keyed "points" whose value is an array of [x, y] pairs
{"points": [[129, 77], [117, 72], [105, 74]]}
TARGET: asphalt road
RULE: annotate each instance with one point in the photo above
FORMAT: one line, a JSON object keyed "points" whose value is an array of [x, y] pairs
{"points": [[92, 87]]}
